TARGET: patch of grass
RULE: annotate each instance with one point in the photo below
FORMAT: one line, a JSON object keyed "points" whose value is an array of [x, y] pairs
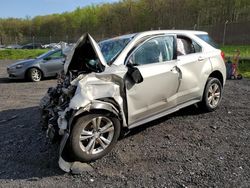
{"points": [[229, 50], [20, 54], [244, 68]]}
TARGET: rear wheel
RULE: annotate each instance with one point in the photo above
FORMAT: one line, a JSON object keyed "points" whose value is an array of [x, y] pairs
{"points": [[35, 75], [212, 95], [93, 136]]}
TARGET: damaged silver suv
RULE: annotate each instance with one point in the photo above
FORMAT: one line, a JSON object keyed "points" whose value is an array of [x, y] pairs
{"points": [[125, 82]]}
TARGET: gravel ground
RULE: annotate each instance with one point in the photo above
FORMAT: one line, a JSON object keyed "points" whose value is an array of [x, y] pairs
{"points": [[185, 149]]}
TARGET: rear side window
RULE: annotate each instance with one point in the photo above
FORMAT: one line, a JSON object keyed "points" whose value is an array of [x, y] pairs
{"points": [[208, 40], [196, 47], [187, 46]]}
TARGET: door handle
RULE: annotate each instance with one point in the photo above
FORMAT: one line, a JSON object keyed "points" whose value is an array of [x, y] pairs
{"points": [[201, 58]]}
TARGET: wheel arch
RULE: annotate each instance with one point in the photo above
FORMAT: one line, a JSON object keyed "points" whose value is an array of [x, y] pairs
{"points": [[96, 107], [217, 74]]}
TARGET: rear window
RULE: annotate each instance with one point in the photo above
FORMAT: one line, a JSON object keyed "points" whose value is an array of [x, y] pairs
{"points": [[208, 40]]}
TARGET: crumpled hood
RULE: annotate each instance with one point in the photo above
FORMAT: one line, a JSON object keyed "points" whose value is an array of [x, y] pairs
{"points": [[85, 49]]}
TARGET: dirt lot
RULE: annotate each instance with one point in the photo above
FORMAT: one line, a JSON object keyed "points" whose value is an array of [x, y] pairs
{"points": [[186, 149]]}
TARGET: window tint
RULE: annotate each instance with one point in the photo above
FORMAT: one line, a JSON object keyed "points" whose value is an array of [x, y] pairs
{"points": [[155, 50]]}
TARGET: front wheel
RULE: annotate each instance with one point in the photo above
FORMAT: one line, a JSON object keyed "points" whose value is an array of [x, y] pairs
{"points": [[93, 136], [35, 75], [212, 95]]}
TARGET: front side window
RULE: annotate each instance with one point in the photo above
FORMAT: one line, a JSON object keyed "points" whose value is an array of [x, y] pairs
{"points": [[56, 55], [156, 50], [46, 54]]}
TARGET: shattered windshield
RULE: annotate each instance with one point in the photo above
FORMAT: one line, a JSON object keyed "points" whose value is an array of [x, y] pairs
{"points": [[112, 48]]}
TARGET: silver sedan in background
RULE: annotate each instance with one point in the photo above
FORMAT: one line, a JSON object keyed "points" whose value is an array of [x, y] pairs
{"points": [[46, 65]]}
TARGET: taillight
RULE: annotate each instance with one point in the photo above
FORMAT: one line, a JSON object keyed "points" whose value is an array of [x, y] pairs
{"points": [[222, 55]]}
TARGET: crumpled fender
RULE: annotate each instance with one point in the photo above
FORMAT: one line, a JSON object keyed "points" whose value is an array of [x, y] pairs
{"points": [[93, 87], [98, 105]]}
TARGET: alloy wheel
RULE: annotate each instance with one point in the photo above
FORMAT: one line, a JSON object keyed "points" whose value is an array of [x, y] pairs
{"points": [[214, 94], [36, 75], [96, 135]]}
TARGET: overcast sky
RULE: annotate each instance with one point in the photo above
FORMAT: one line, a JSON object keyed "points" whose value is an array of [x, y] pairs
{"points": [[32, 8]]}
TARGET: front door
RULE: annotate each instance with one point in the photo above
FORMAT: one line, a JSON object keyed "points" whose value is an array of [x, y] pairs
{"points": [[53, 63], [158, 91]]}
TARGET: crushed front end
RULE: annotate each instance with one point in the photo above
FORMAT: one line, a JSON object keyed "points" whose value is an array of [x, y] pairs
{"points": [[53, 105], [84, 86]]}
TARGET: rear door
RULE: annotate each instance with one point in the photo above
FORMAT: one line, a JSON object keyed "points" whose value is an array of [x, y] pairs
{"points": [[155, 61], [195, 66]]}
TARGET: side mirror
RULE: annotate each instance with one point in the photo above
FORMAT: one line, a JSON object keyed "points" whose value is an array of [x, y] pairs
{"points": [[134, 74]]}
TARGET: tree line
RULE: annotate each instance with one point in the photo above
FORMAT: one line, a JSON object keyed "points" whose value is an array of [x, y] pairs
{"points": [[127, 16]]}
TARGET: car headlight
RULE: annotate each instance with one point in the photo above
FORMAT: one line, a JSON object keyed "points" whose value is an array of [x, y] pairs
{"points": [[19, 66]]}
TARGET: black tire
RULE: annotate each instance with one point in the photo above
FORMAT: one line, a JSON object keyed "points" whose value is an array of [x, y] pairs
{"points": [[212, 95], [34, 75], [84, 127]]}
